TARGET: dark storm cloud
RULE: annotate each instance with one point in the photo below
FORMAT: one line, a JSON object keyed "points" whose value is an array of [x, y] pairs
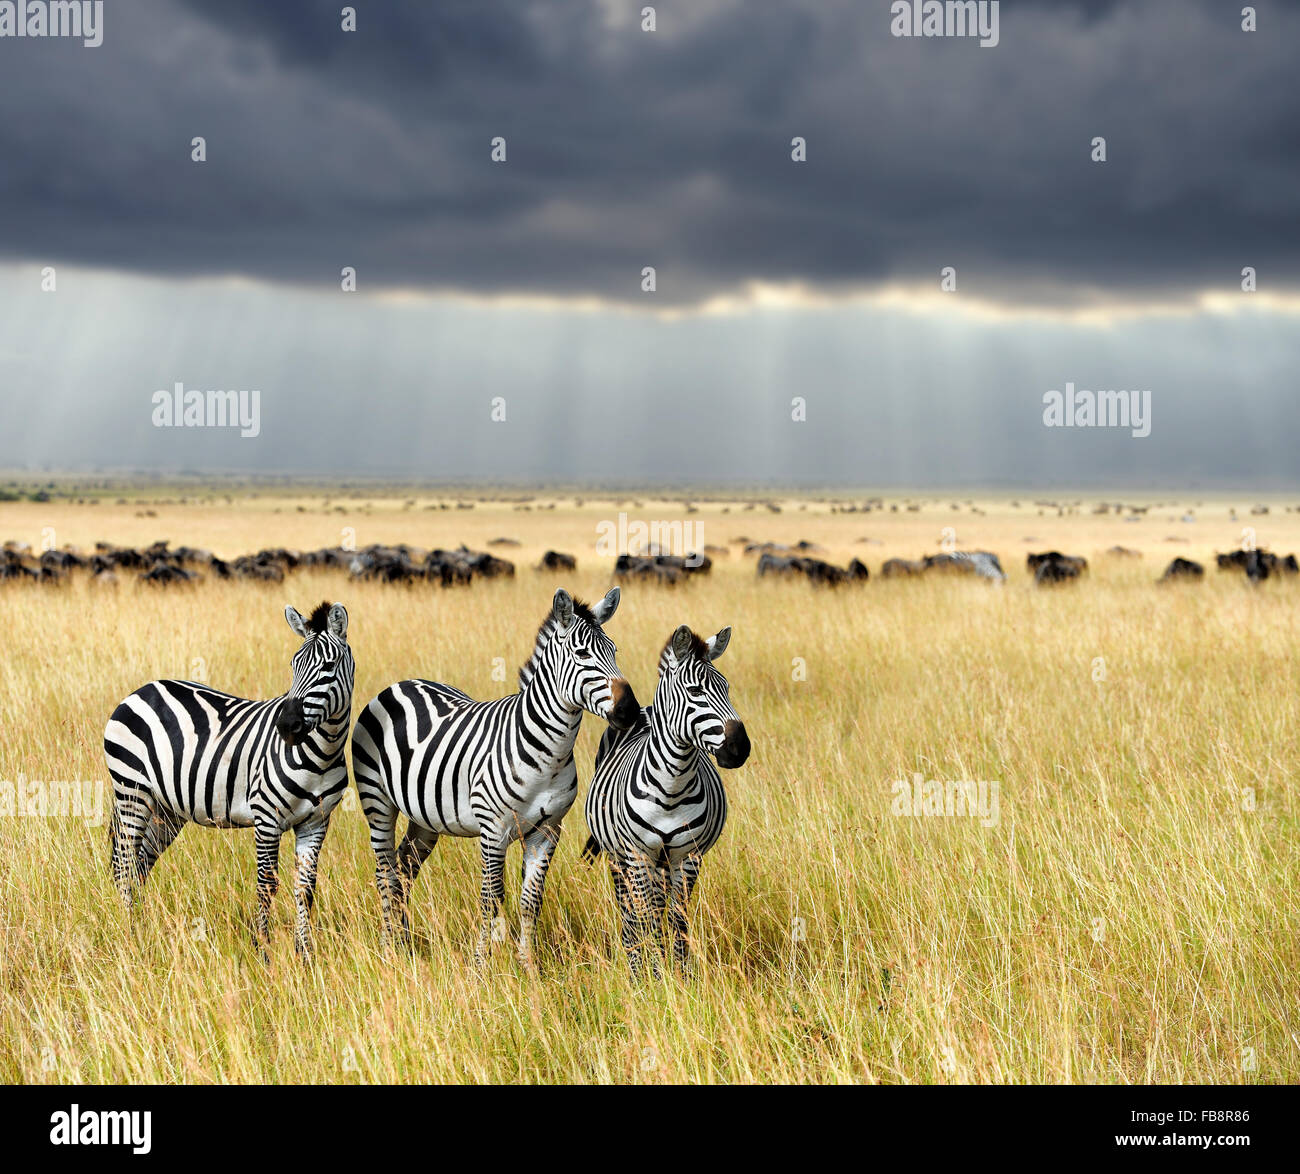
{"points": [[668, 149]]}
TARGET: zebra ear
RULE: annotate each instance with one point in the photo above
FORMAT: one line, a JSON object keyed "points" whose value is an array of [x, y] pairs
{"points": [[338, 621], [562, 608], [681, 643], [296, 621], [607, 606], [718, 644]]}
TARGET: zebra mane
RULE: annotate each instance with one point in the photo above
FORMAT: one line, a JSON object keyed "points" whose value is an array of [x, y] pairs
{"points": [[319, 620], [527, 670], [699, 650]]}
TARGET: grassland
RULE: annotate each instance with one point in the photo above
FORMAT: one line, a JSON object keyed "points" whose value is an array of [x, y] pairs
{"points": [[1131, 917]]}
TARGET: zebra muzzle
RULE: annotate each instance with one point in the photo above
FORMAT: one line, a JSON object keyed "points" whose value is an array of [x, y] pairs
{"points": [[624, 707], [291, 721], [735, 746]]}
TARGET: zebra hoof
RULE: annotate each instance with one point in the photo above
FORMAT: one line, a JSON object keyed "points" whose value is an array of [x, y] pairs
{"points": [[645, 974], [399, 941]]}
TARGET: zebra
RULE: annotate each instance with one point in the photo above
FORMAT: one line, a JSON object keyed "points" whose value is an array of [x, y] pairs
{"points": [[182, 751], [500, 770], [656, 803]]}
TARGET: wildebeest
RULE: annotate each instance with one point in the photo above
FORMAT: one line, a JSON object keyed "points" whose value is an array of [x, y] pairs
{"points": [[120, 557], [478, 562], [62, 560], [554, 560], [1051, 566], [164, 572], [898, 568], [333, 557], [1258, 564], [1124, 552], [14, 566], [631, 566], [1182, 568], [263, 566], [803, 546], [813, 569], [387, 564]]}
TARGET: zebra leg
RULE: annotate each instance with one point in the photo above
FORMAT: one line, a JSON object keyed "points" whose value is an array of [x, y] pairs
{"points": [[631, 938], [307, 840], [539, 847], [644, 891], [130, 822], [659, 886], [268, 880], [122, 838], [381, 815], [683, 882], [163, 827], [492, 847], [633, 887], [411, 855]]}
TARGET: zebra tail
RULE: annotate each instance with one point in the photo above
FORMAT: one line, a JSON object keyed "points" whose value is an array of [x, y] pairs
{"points": [[590, 850]]}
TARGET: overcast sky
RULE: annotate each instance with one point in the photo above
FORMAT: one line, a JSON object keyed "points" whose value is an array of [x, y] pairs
{"points": [[518, 284]]}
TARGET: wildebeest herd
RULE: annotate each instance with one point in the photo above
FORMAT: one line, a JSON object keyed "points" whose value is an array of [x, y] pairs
{"points": [[163, 564], [1047, 567], [661, 568], [1258, 564]]}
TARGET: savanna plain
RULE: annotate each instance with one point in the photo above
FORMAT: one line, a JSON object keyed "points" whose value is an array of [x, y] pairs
{"points": [[1130, 916]]}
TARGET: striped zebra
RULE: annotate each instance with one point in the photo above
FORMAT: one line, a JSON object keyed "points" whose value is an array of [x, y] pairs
{"points": [[656, 803], [500, 770], [181, 751]]}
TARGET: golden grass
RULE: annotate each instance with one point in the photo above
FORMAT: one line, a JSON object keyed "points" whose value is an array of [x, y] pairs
{"points": [[1131, 918]]}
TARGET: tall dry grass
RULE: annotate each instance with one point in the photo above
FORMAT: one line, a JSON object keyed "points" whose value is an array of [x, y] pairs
{"points": [[1130, 918]]}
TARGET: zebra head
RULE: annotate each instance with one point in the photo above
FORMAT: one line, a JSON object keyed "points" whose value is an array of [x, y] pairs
{"points": [[322, 673], [695, 697], [573, 645]]}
